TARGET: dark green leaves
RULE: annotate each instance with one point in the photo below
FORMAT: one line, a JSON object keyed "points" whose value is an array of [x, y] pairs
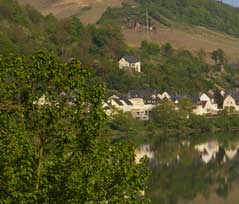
{"points": [[51, 119]]}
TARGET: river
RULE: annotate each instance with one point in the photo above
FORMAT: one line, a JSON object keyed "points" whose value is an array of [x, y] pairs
{"points": [[195, 169]]}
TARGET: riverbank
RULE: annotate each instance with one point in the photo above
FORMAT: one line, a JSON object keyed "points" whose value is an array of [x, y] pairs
{"points": [[146, 136], [165, 124]]}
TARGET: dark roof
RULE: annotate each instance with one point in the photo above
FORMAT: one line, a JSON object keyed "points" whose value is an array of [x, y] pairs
{"points": [[235, 95], [118, 102], [145, 94], [193, 97], [131, 58], [210, 95], [203, 103], [176, 97], [128, 102], [107, 108]]}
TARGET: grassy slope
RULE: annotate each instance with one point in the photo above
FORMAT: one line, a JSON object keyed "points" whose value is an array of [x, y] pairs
{"points": [[88, 10], [187, 37], [181, 36]]}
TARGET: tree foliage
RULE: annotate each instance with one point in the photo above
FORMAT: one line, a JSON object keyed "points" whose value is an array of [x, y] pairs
{"points": [[100, 47], [211, 14], [51, 138], [218, 56]]}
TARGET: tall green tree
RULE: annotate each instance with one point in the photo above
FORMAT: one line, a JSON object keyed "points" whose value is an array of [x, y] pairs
{"points": [[165, 115], [51, 138]]}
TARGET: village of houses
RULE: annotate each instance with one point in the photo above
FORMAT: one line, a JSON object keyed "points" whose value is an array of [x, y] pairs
{"points": [[140, 103]]}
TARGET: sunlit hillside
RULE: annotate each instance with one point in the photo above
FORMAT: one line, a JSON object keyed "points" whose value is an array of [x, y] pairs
{"points": [[88, 10]]}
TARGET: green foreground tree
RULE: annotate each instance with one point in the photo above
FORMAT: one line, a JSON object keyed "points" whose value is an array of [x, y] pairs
{"points": [[51, 138]]}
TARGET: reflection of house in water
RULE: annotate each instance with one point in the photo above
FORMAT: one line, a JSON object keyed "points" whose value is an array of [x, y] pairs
{"points": [[231, 153], [143, 151], [208, 150], [211, 150]]}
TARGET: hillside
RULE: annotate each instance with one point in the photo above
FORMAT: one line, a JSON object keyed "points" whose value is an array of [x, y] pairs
{"points": [[190, 25], [24, 30], [186, 24], [187, 37], [88, 10]]}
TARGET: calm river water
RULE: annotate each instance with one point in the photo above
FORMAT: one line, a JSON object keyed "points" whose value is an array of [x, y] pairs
{"points": [[198, 169]]}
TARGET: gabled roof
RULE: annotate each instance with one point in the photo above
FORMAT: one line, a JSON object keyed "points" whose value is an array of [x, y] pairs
{"points": [[210, 95], [131, 58], [203, 93], [235, 96], [118, 102], [128, 102]]}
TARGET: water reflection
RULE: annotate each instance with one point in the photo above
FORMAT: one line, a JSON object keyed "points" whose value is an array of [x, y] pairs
{"points": [[142, 151], [211, 150], [193, 172]]}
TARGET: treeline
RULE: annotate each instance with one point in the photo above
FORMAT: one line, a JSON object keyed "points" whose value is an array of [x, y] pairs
{"points": [[168, 118], [179, 71], [165, 117], [23, 30], [208, 13]]}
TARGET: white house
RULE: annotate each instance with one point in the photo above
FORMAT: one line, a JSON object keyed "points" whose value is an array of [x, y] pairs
{"points": [[200, 108], [135, 106], [206, 105], [229, 101], [204, 97], [139, 109], [130, 62]]}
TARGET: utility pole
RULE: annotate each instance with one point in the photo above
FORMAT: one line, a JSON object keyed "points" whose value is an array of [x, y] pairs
{"points": [[147, 19], [147, 24]]}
